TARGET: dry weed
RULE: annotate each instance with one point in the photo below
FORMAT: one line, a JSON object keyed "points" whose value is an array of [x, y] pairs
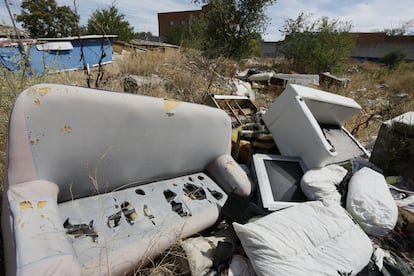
{"points": [[172, 262], [165, 64], [382, 94], [188, 76]]}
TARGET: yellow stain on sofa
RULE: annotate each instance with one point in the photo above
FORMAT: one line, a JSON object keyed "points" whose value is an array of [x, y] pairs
{"points": [[34, 141], [24, 205], [44, 90], [41, 204], [20, 223], [169, 105], [41, 91], [67, 129], [229, 165], [36, 102], [32, 91]]}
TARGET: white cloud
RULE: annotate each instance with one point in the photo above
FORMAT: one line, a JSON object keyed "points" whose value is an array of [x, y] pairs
{"points": [[379, 14], [365, 16]]}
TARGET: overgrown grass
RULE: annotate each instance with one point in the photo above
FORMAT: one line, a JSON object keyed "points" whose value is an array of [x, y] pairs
{"points": [[188, 76], [382, 93]]}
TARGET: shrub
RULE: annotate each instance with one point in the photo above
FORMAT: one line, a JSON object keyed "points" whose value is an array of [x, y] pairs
{"points": [[393, 58]]}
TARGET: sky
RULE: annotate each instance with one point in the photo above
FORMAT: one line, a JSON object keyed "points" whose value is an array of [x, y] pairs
{"points": [[365, 16]]}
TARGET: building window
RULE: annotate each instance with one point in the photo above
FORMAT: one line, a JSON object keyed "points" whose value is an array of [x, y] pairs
{"points": [[171, 23], [183, 22]]}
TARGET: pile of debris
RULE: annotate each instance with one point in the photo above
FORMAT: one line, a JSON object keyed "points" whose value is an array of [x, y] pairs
{"points": [[322, 204], [282, 79], [299, 194], [311, 176]]}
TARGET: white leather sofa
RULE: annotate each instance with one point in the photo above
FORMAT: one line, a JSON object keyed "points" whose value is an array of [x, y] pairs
{"points": [[99, 183]]}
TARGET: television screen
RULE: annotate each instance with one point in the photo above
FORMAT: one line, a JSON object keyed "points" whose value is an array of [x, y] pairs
{"points": [[284, 178], [279, 180]]}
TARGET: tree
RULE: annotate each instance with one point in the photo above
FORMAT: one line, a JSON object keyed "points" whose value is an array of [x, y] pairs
{"points": [[110, 21], [404, 29], [254, 45], [191, 35], [232, 25], [175, 35], [44, 18], [143, 35], [314, 47]]}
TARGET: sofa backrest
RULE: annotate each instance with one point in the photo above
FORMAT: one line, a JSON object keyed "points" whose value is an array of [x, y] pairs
{"points": [[89, 141]]}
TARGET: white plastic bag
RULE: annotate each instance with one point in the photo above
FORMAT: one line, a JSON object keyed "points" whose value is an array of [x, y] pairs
{"points": [[200, 253], [311, 238], [320, 184], [370, 202], [240, 266]]}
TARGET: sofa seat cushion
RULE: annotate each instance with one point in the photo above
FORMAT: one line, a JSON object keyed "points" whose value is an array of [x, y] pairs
{"points": [[114, 233]]}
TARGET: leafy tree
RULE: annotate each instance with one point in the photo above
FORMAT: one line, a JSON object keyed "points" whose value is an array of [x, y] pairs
{"points": [[143, 35], [175, 34], [44, 18], [314, 47], [191, 35], [232, 24], [404, 29], [255, 49], [110, 21]]}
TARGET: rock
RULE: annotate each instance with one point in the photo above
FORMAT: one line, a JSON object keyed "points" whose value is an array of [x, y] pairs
{"points": [[132, 83]]}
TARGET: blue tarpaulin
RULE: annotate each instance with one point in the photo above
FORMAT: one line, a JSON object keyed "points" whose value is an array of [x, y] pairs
{"points": [[60, 54], [10, 59]]}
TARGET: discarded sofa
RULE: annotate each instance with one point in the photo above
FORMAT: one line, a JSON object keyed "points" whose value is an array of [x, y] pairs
{"points": [[308, 123], [99, 182]]}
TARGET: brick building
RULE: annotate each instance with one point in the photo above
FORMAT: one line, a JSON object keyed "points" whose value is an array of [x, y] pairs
{"points": [[167, 20]]}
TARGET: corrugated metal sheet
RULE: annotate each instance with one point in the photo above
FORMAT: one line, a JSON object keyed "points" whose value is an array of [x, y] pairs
{"points": [[55, 46], [60, 54], [69, 38]]}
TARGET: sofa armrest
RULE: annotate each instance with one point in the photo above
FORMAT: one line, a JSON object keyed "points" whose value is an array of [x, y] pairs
{"points": [[230, 176], [40, 243]]}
